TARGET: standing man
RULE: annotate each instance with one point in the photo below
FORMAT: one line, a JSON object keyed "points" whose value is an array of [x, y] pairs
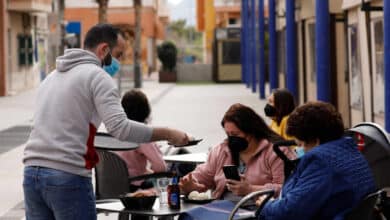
{"points": [[71, 103]]}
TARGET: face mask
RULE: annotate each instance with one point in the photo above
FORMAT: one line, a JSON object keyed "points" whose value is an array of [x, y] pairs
{"points": [[107, 59], [269, 110], [300, 151], [237, 144], [113, 68]]}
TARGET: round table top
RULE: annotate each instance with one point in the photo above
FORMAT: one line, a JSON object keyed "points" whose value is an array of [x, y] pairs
{"points": [[105, 141]]}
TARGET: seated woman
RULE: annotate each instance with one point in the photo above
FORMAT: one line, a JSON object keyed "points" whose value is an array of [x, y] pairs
{"points": [[280, 105], [331, 178], [137, 108], [249, 147]]}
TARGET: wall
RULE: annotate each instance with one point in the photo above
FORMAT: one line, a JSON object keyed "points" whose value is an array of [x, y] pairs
{"points": [[111, 3], [89, 17], [19, 78], [3, 48], [194, 72], [378, 88], [30, 5]]}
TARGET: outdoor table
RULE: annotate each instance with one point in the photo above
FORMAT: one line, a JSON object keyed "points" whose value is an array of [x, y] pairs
{"points": [[104, 141], [156, 211], [192, 158]]}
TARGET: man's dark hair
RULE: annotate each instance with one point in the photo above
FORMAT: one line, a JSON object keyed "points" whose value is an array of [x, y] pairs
{"points": [[101, 33], [284, 103], [315, 120], [136, 105]]}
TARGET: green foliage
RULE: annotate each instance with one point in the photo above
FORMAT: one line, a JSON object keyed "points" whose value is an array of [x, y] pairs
{"points": [[188, 40], [167, 53]]}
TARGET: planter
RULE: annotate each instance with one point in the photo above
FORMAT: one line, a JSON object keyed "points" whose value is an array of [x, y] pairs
{"points": [[167, 76]]}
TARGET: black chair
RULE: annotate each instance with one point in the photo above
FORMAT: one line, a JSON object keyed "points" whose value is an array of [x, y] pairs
{"points": [[365, 210], [289, 164], [112, 178]]}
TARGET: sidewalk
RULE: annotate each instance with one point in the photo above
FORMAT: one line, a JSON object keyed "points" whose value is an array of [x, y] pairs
{"points": [[194, 108]]}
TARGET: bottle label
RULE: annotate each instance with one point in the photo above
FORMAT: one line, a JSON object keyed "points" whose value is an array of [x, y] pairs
{"points": [[175, 200]]}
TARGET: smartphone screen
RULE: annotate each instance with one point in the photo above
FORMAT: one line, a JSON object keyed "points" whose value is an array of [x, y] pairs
{"points": [[231, 172]]}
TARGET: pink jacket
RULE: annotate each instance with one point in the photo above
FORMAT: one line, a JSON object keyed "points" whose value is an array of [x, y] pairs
{"points": [[136, 159], [265, 168]]}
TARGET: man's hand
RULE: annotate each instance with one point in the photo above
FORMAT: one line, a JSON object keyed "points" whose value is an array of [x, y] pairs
{"points": [[173, 136], [178, 138]]}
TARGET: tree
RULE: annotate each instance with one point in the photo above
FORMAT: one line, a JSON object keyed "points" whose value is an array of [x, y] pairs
{"points": [[167, 53], [103, 6], [61, 23], [137, 44]]}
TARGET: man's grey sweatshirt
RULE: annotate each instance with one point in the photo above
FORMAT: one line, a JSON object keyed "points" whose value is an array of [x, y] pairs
{"points": [[71, 103]]}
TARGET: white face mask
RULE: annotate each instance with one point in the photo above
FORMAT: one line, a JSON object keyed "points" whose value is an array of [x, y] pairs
{"points": [[300, 151]]}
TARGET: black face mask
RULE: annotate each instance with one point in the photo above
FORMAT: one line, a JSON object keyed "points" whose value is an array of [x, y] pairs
{"points": [[269, 110], [237, 144], [107, 60]]}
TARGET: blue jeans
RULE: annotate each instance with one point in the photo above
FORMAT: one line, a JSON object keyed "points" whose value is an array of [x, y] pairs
{"points": [[54, 194]]}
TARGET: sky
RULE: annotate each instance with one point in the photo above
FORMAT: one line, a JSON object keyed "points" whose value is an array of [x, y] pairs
{"points": [[183, 9]]}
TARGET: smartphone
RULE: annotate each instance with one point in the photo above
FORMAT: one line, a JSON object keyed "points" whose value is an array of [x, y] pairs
{"points": [[191, 143], [231, 172]]}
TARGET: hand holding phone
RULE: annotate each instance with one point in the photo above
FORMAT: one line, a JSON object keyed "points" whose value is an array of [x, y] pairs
{"points": [[231, 172], [190, 143]]}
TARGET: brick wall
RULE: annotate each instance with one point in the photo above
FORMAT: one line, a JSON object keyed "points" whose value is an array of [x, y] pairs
{"points": [[89, 17]]}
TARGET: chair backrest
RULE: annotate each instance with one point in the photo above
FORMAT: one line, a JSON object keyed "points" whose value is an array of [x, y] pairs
{"points": [[365, 209], [374, 143], [111, 176], [289, 164]]}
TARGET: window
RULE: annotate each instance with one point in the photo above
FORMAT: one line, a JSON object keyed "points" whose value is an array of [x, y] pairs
{"points": [[312, 45], [378, 67], [25, 50], [355, 68], [232, 21], [281, 37], [231, 52]]}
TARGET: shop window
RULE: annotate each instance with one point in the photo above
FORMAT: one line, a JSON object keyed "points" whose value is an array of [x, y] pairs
{"points": [[231, 52], [281, 36], [355, 68], [312, 45], [378, 67], [25, 50]]}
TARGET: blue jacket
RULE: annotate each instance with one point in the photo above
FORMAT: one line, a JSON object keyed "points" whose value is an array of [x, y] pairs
{"points": [[329, 181]]}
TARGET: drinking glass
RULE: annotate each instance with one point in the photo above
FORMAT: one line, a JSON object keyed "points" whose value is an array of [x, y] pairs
{"points": [[162, 184]]}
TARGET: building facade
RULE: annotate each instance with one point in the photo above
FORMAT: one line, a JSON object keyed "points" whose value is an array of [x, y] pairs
{"points": [[211, 14], [325, 50], [23, 44], [154, 18]]}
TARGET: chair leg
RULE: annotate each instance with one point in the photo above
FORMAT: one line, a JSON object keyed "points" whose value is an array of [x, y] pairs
{"points": [[140, 217], [123, 216], [166, 218]]}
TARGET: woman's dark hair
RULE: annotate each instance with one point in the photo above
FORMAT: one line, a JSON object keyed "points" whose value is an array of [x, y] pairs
{"points": [[284, 103], [136, 105], [249, 122], [315, 120], [101, 33]]}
